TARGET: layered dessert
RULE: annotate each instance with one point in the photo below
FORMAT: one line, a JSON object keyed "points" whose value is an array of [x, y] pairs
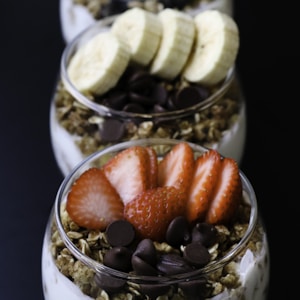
{"points": [[155, 219], [116, 86], [77, 15]]}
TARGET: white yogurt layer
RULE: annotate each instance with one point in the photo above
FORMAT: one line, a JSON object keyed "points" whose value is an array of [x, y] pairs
{"points": [[68, 155], [253, 269], [75, 18]]}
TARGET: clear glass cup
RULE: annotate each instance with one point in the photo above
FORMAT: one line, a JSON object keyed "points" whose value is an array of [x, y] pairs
{"points": [[78, 124], [68, 272], [75, 16]]}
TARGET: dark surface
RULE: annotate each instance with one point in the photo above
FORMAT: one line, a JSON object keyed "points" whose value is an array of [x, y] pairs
{"points": [[31, 46]]}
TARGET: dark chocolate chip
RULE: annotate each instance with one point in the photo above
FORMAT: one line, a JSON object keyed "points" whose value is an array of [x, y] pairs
{"points": [[204, 233], [134, 107], [146, 251], [196, 254], [141, 267], [141, 82], [120, 233], [172, 264], [118, 258], [141, 99], [112, 130], [178, 232], [153, 291], [159, 94], [108, 283], [194, 288], [116, 100], [187, 97]]}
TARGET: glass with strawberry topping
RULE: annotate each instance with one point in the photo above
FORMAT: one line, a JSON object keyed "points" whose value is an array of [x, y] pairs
{"points": [[77, 15], [134, 76], [155, 219]]}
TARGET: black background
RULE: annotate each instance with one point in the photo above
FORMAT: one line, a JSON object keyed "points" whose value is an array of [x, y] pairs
{"points": [[30, 47]]}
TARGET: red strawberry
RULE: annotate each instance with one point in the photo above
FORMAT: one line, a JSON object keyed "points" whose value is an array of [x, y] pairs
{"points": [[227, 193], [176, 168], [201, 190], [152, 168], [92, 202], [128, 172], [152, 211]]}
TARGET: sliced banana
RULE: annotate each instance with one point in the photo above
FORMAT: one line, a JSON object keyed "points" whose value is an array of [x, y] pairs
{"points": [[97, 66], [178, 31], [141, 29], [215, 49]]}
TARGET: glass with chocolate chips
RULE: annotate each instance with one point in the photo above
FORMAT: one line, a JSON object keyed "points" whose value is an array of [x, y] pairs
{"points": [[111, 90], [126, 225]]}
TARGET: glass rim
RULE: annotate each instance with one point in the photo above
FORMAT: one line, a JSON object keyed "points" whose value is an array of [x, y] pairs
{"points": [[100, 268], [104, 111]]}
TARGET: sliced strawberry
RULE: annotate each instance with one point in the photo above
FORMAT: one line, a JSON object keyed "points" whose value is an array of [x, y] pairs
{"points": [[128, 172], [92, 202], [201, 190], [227, 193], [176, 168], [152, 168], [152, 211]]}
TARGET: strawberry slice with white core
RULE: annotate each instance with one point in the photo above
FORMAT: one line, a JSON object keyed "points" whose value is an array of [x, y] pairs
{"points": [[128, 172], [177, 166], [92, 202], [205, 177], [227, 193]]}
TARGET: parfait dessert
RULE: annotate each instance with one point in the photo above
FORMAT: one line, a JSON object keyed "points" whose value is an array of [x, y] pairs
{"points": [[155, 219], [145, 75], [77, 15]]}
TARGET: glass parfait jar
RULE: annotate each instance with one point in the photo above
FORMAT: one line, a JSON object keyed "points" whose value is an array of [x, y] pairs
{"points": [[75, 15], [72, 257], [81, 124]]}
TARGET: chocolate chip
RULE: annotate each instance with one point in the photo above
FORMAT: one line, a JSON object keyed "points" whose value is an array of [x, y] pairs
{"points": [[196, 254], [204, 233], [141, 99], [140, 82], [115, 99], [178, 232], [120, 233], [187, 97], [153, 291], [112, 130], [194, 288], [146, 251], [118, 258], [108, 283], [141, 267], [134, 107], [172, 264]]}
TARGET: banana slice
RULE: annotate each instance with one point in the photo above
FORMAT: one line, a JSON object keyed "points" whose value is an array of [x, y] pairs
{"points": [[97, 66], [178, 31], [215, 48], [141, 29]]}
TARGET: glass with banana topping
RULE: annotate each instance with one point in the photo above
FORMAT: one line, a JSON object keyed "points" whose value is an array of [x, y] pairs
{"points": [[127, 224], [144, 75], [77, 15]]}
